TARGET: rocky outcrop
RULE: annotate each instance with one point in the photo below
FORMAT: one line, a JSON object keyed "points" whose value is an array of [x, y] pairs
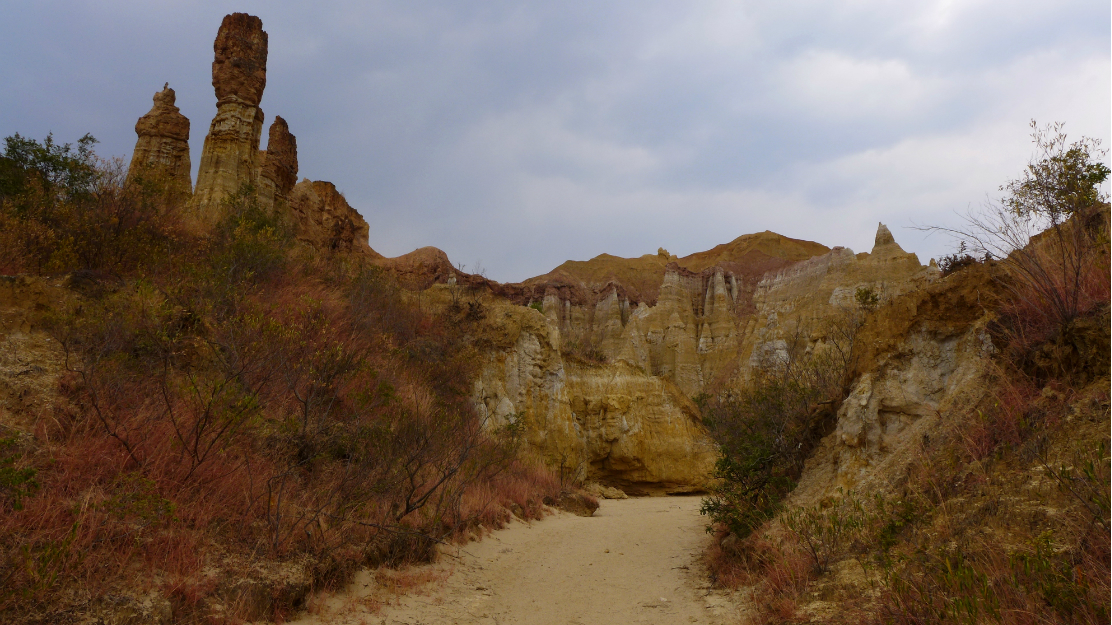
{"points": [[278, 174], [925, 354], [239, 65], [803, 306], [323, 218], [32, 364], [687, 325], [162, 150], [613, 424], [605, 384], [230, 158]]}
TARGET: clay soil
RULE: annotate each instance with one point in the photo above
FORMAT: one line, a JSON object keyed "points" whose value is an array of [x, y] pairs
{"points": [[635, 561]]}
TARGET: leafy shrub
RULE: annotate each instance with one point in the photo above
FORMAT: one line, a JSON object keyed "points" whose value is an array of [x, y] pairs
{"points": [[867, 299], [63, 209], [765, 431], [958, 260], [825, 531], [1050, 228]]}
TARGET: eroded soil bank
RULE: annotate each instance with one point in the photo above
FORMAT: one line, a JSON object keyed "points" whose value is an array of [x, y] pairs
{"points": [[635, 561]]}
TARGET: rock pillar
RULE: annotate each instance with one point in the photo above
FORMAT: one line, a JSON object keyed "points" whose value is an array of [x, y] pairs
{"points": [[162, 150], [279, 166], [230, 157]]}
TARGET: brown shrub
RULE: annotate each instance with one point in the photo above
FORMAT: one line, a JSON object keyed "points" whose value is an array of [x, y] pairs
{"points": [[242, 406]]}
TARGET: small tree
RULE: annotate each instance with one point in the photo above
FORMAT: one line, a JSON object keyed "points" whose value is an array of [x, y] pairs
{"points": [[1049, 229]]}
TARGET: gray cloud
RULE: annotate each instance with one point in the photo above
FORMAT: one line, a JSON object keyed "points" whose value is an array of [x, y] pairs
{"points": [[522, 134]]}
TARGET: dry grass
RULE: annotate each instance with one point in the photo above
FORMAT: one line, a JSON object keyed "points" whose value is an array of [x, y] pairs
{"points": [[1002, 517], [242, 415]]}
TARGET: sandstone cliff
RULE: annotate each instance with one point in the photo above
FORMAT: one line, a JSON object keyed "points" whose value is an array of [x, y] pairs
{"points": [[611, 423], [603, 377], [323, 219], [925, 354], [805, 302], [162, 149], [230, 157]]}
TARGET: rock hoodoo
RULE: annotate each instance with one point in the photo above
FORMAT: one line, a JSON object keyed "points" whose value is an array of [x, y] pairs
{"points": [[883, 237], [230, 157], [279, 166], [163, 145], [239, 67]]}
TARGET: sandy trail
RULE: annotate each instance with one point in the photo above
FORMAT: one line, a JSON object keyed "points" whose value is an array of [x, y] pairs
{"points": [[635, 561]]}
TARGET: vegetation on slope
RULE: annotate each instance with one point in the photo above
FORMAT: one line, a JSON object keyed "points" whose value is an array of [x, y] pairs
{"points": [[1002, 515], [240, 419]]}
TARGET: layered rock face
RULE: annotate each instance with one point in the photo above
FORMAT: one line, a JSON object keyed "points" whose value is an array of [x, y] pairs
{"points": [[323, 218], [628, 419], [926, 354], [687, 337], [230, 157], [686, 326], [278, 173], [613, 424], [806, 302], [162, 149]]}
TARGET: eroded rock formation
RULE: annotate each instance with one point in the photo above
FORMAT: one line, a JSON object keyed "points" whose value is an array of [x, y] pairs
{"points": [[620, 411], [610, 423], [323, 218], [278, 173], [230, 158], [926, 354], [806, 302], [677, 318], [162, 150]]}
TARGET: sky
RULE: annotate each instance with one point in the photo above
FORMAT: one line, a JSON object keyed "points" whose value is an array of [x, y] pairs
{"points": [[518, 135]]}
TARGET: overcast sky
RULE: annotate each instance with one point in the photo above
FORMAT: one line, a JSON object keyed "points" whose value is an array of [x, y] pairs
{"points": [[517, 135]]}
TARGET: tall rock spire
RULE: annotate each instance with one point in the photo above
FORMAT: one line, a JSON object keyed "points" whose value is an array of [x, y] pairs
{"points": [[884, 245], [230, 157], [278, 174], [162, 149]]}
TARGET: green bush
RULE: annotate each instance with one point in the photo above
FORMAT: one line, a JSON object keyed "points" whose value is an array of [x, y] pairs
{"points": [[764, 432], [63, 209], [826, 531]]}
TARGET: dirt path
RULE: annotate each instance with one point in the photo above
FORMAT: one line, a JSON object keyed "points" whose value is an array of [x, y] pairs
{"points": [[635, 561]]}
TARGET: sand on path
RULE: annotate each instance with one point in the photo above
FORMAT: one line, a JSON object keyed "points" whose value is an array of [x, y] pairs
{"points": [[634, 561]]}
